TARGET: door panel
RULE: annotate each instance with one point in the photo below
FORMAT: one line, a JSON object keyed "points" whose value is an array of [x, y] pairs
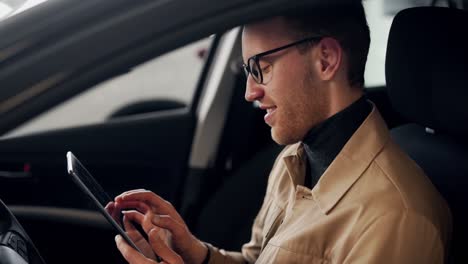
{"points": [[144, 151], [136, 152], [69, 236]]}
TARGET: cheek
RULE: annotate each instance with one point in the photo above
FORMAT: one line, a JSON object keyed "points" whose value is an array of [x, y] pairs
{"points": [[286, 69], [298, 113], [286, 81], [292, 119], [290, 93]]}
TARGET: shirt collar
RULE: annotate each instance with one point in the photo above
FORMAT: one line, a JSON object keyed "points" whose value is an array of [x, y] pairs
{"points": [[324, 141], [347, 167]]}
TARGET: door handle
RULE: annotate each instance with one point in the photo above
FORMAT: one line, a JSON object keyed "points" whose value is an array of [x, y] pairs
{"points": [[15, 175], [22, 171]]}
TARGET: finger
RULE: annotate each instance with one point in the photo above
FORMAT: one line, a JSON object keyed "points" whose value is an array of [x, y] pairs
{"points": [[128, 192], [132, 232], [162, 250], [147, 222], [110, 207], [114, 211], [138, 239], [129, 227], [130, 254], [167, 222], [134, 190], [162, 206], [135, 216], [138, 205], [140, 219]]}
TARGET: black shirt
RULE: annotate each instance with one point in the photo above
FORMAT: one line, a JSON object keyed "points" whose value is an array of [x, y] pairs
{"points": [[324, 141]]}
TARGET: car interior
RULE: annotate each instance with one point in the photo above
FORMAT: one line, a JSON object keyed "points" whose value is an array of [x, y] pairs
{"points": [[429, 91], [215, 172]]}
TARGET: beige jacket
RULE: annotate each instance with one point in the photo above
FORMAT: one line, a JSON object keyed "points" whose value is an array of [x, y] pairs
{"points": [[372, 205]]}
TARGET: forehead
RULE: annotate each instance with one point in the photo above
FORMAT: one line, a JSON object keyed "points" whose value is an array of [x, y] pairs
{"points": [[264, 35]]}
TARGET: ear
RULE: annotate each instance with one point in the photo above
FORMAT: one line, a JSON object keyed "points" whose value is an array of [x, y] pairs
{"points": [[330, 56]]}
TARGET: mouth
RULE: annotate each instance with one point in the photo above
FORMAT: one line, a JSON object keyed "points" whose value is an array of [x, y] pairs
{"points": [[269, 117]]}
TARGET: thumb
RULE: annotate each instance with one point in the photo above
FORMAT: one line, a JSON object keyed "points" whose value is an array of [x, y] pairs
{"points": [[161, 249]]}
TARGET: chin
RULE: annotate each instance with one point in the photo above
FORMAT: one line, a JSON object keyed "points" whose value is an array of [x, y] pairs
{"points": [[283, 138]]}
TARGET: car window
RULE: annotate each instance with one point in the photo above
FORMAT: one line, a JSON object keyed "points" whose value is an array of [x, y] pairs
{"points": [[9, 8], [379, 24], [164, 82]]}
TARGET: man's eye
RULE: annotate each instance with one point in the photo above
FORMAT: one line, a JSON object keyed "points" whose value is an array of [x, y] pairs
{"points": [[255, 72], [266, 69]]}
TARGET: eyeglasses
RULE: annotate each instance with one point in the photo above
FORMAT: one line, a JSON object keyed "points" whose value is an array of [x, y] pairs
{"points": [[262, 73]]}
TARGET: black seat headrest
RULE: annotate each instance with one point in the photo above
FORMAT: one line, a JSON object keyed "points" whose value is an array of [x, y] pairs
{"points": [[427, 67]]}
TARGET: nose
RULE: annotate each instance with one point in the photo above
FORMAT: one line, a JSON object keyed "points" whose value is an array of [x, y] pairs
{"points": [[253, 90]]}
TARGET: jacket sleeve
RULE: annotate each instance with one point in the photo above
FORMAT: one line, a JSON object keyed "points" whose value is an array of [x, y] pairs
{"points": [[403, 237]]}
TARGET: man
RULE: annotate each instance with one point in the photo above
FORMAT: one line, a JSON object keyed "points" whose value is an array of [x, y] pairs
{"points": [[341, 191]]}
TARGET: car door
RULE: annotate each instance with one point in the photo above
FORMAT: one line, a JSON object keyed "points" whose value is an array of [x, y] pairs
{"points": [[143, 142]]}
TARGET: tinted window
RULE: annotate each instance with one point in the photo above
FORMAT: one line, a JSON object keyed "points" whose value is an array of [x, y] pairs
{"points": [[166, 82]]}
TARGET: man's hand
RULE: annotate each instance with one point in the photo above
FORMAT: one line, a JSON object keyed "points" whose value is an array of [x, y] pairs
{"points": [[138, 239], [152, 210], [114, 212], [159, 247]]}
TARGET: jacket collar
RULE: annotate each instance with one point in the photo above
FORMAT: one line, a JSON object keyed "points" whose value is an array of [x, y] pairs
{"points": [[347, 167]]}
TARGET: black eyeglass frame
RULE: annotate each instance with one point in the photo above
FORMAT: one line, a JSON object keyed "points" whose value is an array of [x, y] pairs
{"points": [[256, 58]]}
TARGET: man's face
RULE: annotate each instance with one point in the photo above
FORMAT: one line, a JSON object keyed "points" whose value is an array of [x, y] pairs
{"points": [[294, 98]]}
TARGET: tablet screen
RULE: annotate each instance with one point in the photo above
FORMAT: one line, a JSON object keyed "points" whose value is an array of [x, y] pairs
{"points": [[94, 192]]}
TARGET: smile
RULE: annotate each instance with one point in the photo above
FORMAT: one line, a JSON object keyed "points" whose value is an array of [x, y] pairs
{"points": [[270, 115]]}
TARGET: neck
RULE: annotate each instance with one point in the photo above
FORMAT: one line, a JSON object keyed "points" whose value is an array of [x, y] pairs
{"points": [[342, 96]]}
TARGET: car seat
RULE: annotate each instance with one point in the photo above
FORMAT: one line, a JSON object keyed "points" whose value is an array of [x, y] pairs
{"points": [[427, 81]]}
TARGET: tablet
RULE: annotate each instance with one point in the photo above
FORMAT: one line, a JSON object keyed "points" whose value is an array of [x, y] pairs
{"points": [[95, 193]]}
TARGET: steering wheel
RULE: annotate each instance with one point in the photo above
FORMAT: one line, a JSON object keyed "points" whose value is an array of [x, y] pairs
{"points": [[15, 245]]}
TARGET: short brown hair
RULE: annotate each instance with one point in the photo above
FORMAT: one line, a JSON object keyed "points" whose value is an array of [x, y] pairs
{"points": [[347, 24]]}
